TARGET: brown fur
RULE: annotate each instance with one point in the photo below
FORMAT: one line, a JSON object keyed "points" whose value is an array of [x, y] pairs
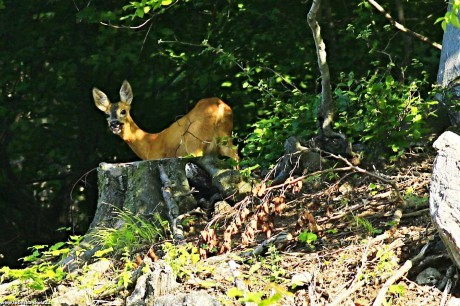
{"points": [[206, 129]]}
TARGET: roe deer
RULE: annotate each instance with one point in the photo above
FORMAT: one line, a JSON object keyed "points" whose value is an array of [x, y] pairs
{"points": [[206, 129]]}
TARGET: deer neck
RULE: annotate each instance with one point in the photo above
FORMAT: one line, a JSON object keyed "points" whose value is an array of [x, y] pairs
{"points": [[137, 139]]}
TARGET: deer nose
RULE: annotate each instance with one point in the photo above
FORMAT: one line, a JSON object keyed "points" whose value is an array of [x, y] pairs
{"points": [[114, 123], [115, 126]]}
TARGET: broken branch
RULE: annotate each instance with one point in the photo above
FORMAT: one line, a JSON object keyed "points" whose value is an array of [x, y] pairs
{"points": [[402, 28]]}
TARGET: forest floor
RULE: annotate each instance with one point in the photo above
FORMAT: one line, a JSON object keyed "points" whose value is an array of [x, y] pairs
{"points": [[361, 254], [341, 242]]}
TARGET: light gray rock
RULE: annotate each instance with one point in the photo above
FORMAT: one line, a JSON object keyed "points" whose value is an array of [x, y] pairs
{"points": [[199, 298]]}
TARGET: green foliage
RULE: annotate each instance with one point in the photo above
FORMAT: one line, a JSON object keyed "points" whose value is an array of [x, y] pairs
{"points": [[293, 116], [375, 188], [413, 199], [41, 271], [37, 277], [124, 278], [451, 16], [385, 114], [183, 259], [140, 9], [273, 263], [308, 237], [387, 260], [367, 226], [397, 289], [274, 293], [135, 232]]}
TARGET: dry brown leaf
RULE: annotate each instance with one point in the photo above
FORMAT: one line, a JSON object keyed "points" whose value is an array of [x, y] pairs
{"points": [[151, 254]]}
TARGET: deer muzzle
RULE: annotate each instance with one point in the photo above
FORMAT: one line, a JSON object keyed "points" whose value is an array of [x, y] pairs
{"points": [[115, 126]]}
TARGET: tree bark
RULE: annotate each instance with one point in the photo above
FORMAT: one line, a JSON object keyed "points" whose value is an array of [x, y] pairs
{"points": [[445, 193], [168, 187], [326, 108], [445, 181], [325, 112], [449, 71]]}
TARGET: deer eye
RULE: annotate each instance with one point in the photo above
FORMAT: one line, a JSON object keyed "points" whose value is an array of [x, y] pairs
{"points": [[123, 112]]}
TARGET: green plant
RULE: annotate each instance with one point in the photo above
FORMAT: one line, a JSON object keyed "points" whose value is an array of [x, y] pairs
{"points": [[140, 9], [308, 238], [284, 118], [450, 17], [387, 260], [413, 199], [273, 263], [36, 277], [261, 298], [183, 259], [134, 232], [41, 270], [129, 266], [375, 188], [385, 114], [367, 226]]}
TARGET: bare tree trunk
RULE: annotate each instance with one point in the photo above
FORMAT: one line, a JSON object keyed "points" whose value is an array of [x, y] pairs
{"points": [[167, 187], [326, 108], [325, 113], [449, 71]]}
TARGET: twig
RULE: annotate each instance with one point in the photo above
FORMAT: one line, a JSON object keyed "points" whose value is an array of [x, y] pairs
{"points": [[400, 273], [354, 284], [402, 28], [238, 282], [81, 178], [374, 175], [308, 175], [345, 294], [417, 213], [445, 293], [279, 240], [311, 289]]}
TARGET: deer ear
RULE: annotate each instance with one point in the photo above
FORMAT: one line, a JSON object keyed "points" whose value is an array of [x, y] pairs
{"points": [[126, 93], [101, 100]]}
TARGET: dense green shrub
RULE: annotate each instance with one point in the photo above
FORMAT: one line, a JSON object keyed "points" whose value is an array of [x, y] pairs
{"points": [[293, 116], [384, 114], [381, 112]]}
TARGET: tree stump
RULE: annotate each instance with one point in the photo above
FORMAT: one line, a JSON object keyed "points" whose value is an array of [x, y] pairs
{"points": [[167, 187], [445, 193]]}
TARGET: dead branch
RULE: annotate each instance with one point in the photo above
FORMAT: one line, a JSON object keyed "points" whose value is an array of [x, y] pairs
{"points": [[372, 174], [402, 28], [300, 178], [422, 212], [400, 273], [347, 293], [278, 240]]}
